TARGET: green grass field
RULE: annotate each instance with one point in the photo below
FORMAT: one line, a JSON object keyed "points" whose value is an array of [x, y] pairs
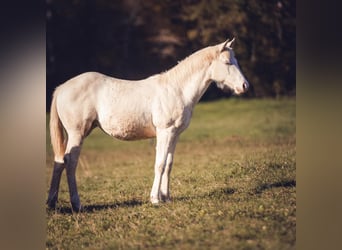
{"points": [[233, 185]]}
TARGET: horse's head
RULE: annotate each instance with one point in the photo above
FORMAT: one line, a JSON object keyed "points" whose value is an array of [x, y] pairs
{"points": [[225, 70]]}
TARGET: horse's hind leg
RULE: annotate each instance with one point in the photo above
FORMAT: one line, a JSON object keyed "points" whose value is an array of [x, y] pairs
{"points": [[54, 186], [71, 158]]}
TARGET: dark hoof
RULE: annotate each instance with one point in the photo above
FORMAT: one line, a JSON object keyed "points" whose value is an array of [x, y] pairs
{"points": [[51, 204], [166, 199], [77, 208]]}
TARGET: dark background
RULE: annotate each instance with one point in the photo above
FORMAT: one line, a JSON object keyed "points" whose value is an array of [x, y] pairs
{"points": [[134, 39]]}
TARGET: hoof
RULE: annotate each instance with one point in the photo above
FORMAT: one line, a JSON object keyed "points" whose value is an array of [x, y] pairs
{"points": [[155, 201], [76, 208], [163, 199], [51, 204], [166, 198]]}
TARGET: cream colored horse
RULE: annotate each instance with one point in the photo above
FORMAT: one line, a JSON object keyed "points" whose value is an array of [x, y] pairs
{"points": [[159, 106]]}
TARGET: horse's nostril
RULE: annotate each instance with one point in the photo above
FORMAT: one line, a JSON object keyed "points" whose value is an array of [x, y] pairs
{"points": [[245, 86]]}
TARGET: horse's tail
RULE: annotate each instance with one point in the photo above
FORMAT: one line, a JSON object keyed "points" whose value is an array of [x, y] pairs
{"points": [[56, 132]]}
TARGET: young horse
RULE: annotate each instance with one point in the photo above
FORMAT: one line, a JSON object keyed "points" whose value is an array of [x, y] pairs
{"points": [[159, 106]]}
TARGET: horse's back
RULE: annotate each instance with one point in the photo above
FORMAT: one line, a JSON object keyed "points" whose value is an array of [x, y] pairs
{"points": [[122, 108], [79, 84]]}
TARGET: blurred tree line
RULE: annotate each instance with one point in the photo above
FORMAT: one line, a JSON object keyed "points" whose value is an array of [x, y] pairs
{"points": [[134, 39]]}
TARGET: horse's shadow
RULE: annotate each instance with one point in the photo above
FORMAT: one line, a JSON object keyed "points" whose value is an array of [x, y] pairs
{"points": [[66, 209], [218, 193], [284, 184], [227, 192]]}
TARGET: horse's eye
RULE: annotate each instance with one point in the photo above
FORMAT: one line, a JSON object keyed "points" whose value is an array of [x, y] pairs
{"points": [[228, 63]]}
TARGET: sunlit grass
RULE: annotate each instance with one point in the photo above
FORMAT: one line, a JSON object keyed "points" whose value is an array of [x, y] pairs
{"points": [[233, 185]]}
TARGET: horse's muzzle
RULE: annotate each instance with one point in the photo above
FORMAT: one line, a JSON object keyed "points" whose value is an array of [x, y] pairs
{"points": [[245, 86]]}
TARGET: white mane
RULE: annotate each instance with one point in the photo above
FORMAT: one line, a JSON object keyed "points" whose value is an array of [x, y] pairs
{"points": [[190, 64]]}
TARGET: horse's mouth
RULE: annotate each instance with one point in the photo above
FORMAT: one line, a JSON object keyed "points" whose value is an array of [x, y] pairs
{"points": [[241, 90], [238, 91]]}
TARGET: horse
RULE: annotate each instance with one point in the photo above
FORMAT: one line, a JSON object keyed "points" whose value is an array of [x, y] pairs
{"points": [[159, 106]]}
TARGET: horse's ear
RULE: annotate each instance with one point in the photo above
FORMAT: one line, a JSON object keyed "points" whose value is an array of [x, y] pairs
{"points": [[227, 44], [223, 45]]}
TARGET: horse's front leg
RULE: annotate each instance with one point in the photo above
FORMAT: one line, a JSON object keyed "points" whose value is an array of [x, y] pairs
{"points": [[165, 181], [165, 146]]}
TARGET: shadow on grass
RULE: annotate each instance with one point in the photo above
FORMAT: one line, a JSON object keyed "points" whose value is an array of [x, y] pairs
{"points": [[285, 184], [229, 192], [98, 207], [217, 193]]}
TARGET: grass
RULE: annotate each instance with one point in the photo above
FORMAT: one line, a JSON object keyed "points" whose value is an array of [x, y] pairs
{"points": [[233, 185]]}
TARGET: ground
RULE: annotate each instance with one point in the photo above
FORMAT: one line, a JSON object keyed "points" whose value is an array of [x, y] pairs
{"points": [[233, 185]]}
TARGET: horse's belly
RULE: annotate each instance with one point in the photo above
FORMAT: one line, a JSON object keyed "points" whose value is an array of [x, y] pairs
{"points": [[130, 129], [134, 133]]}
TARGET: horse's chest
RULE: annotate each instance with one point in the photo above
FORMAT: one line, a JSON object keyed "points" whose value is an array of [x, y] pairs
{"points": [[177, 116]]}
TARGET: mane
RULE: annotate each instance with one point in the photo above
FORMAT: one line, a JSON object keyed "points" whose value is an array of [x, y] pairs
{"points": [[191, 64]]}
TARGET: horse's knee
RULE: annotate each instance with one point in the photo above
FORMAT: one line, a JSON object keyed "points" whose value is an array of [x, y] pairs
{"points": [[71, 158], [66, 159], [159, 168], [69, 163]]}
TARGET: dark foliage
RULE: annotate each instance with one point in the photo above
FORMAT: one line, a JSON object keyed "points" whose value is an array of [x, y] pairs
{"points": [[134, 39]]}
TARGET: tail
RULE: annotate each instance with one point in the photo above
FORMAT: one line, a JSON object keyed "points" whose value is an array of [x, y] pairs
{"points": [[56, 132]]}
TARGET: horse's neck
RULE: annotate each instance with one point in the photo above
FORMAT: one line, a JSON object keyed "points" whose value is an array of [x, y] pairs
{"points": [[191, 75], [191, 85], [195, 86]]}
